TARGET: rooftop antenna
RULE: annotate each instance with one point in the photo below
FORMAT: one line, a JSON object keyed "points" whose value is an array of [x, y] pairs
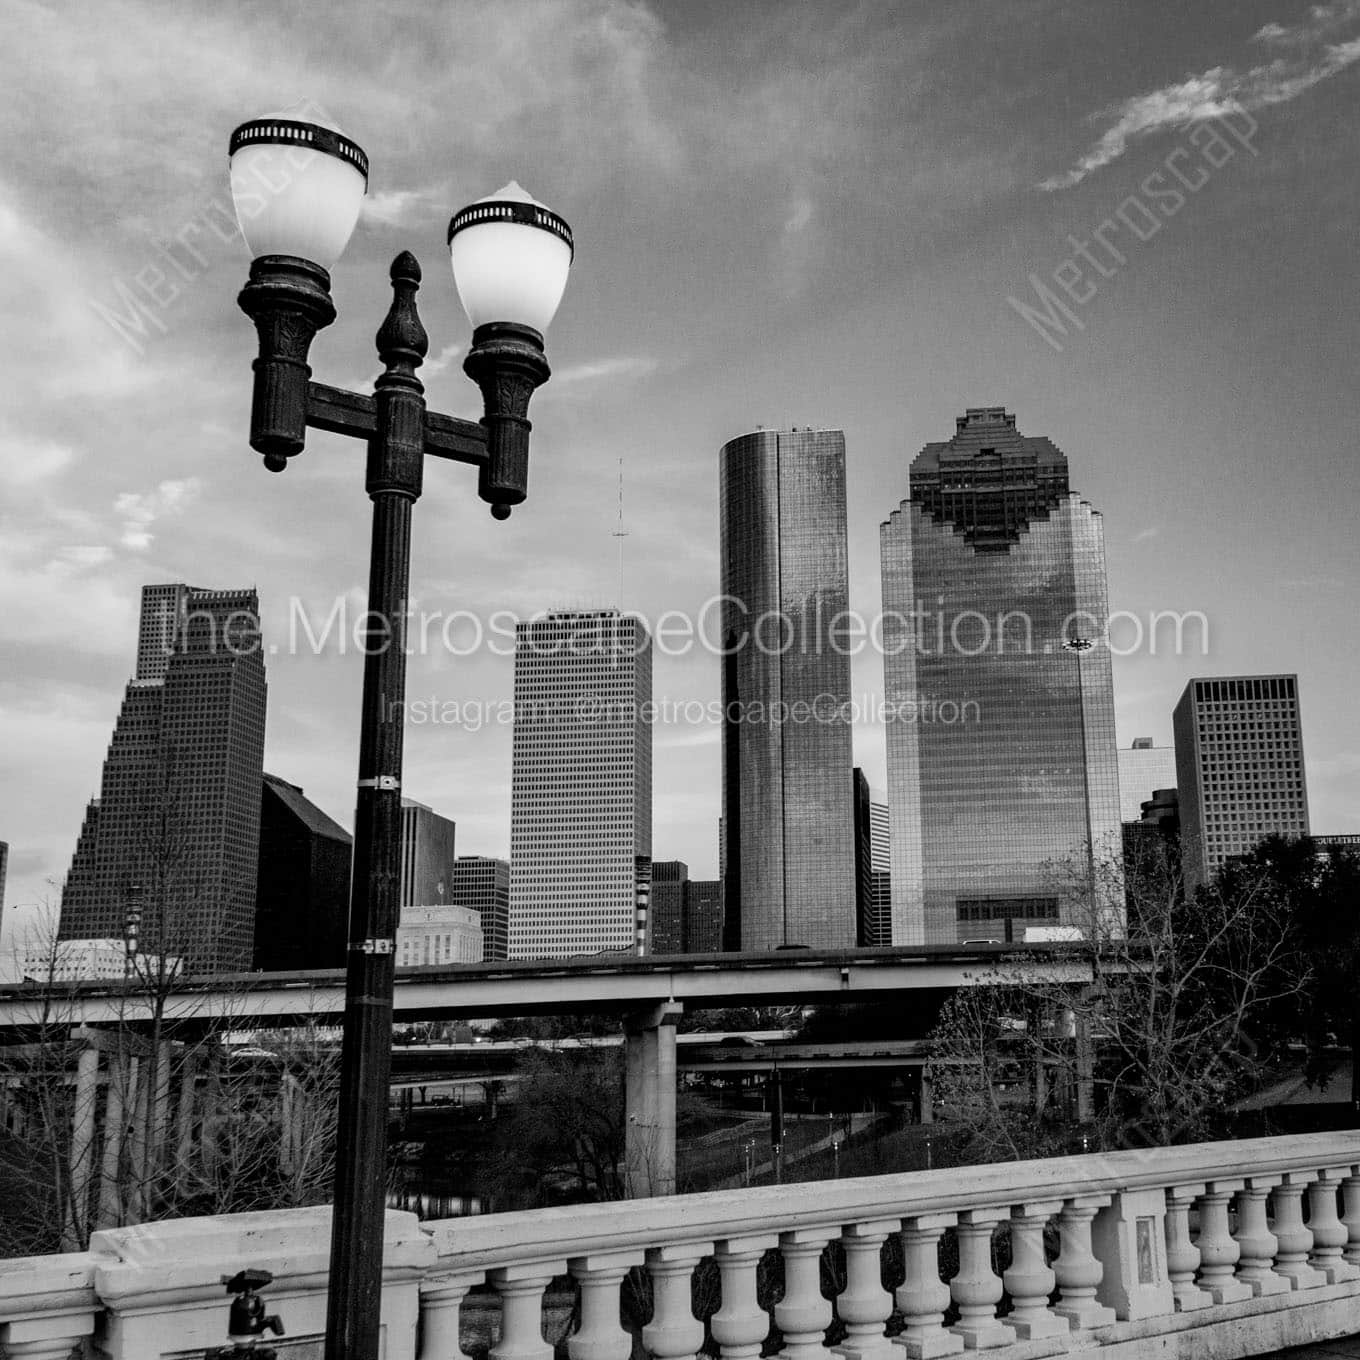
{"points": [[620, 533]]}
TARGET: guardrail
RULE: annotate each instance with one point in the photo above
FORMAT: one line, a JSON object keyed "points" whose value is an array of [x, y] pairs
{"points": [[1211, 1250]]}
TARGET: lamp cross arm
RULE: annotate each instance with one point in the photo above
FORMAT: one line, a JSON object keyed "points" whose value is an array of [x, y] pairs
{"points": [[339, 411]]}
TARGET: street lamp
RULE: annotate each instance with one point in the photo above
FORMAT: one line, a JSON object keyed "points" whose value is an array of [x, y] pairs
{"points": [[298, 188]]}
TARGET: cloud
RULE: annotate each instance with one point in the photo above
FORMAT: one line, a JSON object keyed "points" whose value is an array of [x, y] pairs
{"points": [[1271, 33], [139, 510], [28, 461], [1222, 91], [622, 369], [799, 217], [443, 359], [401, 207], [1143, 535]]}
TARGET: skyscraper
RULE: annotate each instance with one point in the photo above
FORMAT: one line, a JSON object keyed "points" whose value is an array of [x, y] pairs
{"points": [[483, 884], [581, 784], [427, 856], [703, 916], [1000, 741], [788, 815], [1239, 767], [4, 869], [302, 897], [177, 822], [1143, 769], [670, 877]]}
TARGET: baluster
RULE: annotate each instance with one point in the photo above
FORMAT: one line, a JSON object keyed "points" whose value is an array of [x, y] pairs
{"points": [[521, 1293], [441, 1297], [1030, 1280], [1256, 1244], [1077, 1270], [741, 1325], [1329, 1233], [864, 1305], [977, 1288], [923, 1295], [674, 1333], [1182, 1255], [1350, 1216], [802, 1315], [1218, 1251], [601, 1336], [1294, 1238]]}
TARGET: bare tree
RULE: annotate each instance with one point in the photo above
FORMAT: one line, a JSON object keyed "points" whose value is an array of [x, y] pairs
{"points": [[1154, 1049]]}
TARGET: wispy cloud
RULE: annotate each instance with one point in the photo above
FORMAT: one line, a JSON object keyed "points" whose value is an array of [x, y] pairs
{"points": [[139, 510], [402, 207], [29, 460], [1143, 535], [623, 368], [1306, 60]]}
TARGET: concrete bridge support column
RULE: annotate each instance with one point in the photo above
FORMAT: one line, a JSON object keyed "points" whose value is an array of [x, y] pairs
{"points": [[649, 1101]]}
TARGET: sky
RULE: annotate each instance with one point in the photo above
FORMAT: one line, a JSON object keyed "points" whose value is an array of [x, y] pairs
{"points": [[857, 216]]}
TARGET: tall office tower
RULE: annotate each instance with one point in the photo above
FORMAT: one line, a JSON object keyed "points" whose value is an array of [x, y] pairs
{"points": [[1239, 767], [4, 869], [176, 829], [788, 814], [483, 884], [669, 879], [1143, 769], [703, 916], [1001, 747], [302, 896], [581, 784], [427, 856]]}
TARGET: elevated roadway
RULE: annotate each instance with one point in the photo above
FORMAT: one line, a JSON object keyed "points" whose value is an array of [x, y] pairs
{"points": [[602, 983]]}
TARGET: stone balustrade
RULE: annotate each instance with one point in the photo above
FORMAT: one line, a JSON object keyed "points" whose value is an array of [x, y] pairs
{"points": [[1213, 1250]]}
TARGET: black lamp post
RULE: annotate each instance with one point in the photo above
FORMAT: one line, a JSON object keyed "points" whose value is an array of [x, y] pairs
{"points": [[298, 188]]}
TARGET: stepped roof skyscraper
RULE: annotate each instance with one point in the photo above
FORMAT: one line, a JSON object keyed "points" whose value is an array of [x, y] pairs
{"points": [[175, 832], [788, 805], [580, 786], [1000, 740]]}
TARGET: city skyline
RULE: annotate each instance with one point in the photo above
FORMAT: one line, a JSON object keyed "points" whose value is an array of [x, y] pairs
{"points": [[1225, 466]]}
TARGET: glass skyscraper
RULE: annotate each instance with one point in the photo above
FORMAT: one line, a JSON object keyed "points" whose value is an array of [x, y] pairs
{"points": [[427, 856], [1002, 771], [788, 808], [580, 786]]}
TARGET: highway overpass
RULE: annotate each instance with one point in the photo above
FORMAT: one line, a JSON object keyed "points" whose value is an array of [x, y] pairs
{"points": [[608, 983]]}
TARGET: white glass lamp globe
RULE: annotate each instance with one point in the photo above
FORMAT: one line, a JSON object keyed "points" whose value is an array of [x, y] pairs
{"points": [[510, 256], [298, 187]]}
